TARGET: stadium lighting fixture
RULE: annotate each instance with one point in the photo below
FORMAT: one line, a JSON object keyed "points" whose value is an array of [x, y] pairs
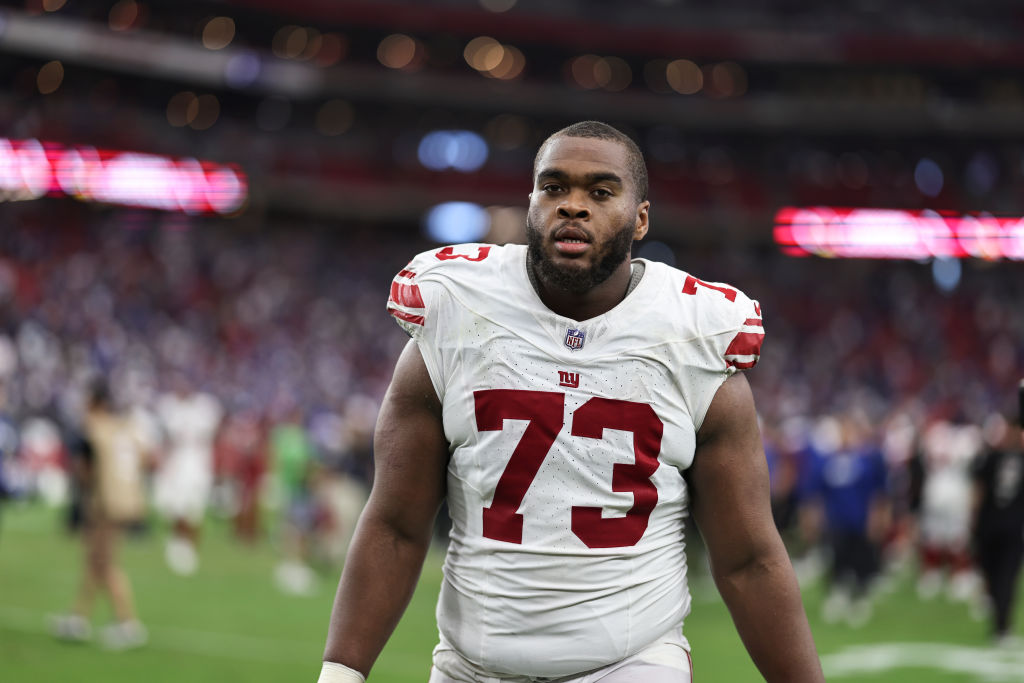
{"points": [[461, 150], [452, 222]]}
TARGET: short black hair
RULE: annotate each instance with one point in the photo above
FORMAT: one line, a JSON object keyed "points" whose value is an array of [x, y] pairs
{"points": [[602, 131]]}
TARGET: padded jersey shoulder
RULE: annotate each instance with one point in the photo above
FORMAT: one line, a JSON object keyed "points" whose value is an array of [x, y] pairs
{"points": [[462, 266]]}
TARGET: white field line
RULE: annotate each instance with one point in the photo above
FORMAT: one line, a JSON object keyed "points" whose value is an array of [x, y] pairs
{"points": [[990, 664]]}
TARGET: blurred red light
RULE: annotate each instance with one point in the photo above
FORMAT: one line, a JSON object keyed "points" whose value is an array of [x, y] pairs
{"points": [[30, 169], [837, 232]]}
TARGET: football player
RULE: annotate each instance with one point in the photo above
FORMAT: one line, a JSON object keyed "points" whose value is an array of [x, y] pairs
{"points": [[572, 406]]}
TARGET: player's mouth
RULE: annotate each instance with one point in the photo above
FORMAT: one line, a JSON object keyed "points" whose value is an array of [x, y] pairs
{"points": [[571, 241]]}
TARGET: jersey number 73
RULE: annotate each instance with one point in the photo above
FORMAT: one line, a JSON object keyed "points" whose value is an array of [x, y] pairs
{"points": [[544, 410]]}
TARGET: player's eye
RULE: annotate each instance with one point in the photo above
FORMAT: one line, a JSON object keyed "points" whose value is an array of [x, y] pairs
{"points": [[551, 187], [601, 193]]}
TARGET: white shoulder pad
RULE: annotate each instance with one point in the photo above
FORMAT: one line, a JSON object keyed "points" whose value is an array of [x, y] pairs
{"points": [[407, 301]]}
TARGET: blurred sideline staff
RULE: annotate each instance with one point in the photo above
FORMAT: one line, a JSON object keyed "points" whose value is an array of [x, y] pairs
{"points": [[999, 521], [110, 466]]}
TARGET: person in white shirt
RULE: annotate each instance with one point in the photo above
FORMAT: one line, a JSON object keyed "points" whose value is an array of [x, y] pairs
{"points": [[573, 407], [189, 420]]}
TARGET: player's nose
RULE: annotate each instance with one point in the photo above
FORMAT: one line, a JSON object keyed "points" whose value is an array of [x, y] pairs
{"points": [[573, 209]]}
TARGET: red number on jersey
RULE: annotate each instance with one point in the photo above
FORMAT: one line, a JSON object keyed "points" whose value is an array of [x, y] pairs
{"points": [[690, 287], [543, 410], [448, 253], [590, 420]]}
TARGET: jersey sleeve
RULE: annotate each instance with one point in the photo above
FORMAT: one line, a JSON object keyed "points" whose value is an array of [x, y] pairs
{"points": [[730, 334], [415, 299], [405, 302], [411, 302], [422, 303], [745, 335]]}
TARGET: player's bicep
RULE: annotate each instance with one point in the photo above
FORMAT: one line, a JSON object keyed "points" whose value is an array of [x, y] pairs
{"points": [[410, 450], [729, 480]]}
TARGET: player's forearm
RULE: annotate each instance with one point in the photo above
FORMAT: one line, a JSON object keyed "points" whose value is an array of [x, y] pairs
{"points": [[764, 599], [381, 572]]}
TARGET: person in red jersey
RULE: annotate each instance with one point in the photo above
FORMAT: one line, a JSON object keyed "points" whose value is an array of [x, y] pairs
{"points": [[573, 406]]}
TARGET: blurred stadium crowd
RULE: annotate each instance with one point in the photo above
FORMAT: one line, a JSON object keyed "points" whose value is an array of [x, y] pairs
{"points": [[285, 328], [876, 376], [282, 330]]}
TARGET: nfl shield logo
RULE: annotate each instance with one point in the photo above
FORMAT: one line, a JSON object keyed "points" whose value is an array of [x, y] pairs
{"points": [[574, 339]]}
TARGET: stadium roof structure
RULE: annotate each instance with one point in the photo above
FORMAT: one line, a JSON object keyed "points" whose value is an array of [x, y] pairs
{"points": [[741, 107]]}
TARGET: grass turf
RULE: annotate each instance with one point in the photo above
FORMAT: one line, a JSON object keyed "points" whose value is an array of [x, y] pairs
{"points": [[230, 623]]}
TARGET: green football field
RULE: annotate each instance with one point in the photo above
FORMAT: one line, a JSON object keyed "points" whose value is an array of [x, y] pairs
{"points": [[230, 622]]}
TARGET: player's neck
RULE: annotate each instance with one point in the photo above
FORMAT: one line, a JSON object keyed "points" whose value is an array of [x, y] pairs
{"points": [[586, 305]]}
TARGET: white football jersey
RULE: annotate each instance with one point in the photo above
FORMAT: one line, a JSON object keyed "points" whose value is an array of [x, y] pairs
{"points": [[948, 450], [568, 440], [181, 488], [190, 423]]}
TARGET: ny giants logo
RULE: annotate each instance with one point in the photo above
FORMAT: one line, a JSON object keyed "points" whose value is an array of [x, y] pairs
{"points": [[574, 339], [569, 379]]}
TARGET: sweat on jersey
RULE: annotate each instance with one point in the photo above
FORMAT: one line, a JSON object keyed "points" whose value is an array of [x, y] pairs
{"points": [[567, 443]]}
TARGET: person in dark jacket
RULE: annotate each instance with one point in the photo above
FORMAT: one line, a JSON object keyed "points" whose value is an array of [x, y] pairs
{"points": [[999, 522]]}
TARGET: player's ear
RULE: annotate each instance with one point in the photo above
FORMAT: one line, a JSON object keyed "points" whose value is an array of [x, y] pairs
{"points": [[641, 220]]}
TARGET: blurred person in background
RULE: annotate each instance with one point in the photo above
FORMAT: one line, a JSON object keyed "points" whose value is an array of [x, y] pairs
{"points": [[899, 443], [785, 463], [998, 524], [573, 406], [789, 455], [3, 485], [343, 440], [946, 450], [42, 458], [111, 466], [8, 446], [79, 456], [339, 499], [189, 420], [295, 473], [242, 459], [844, 502]]}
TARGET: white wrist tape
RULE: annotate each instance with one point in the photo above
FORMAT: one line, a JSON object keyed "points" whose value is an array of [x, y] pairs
{"points": [[332, 672]]}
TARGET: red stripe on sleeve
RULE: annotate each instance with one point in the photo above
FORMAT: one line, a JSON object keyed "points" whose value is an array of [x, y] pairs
{"points": [[745, 344], [406, 295], [745, 365], [407, 317], [407, 273], [753, 321]]}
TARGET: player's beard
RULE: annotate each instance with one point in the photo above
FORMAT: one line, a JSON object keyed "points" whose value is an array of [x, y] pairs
{"points": [[572, 278]]}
